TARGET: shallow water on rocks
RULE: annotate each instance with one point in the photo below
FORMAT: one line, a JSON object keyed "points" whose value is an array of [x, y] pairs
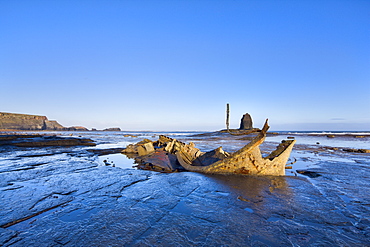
{"points": [[348, 141], [116, 160]]}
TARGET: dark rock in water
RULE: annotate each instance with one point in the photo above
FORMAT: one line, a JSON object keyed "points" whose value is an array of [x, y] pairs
{"points": [[112, 129], [59, 142], [354, 150], [246, 122], [43, 141], [4, 139], [106, 151], [311, 174]]}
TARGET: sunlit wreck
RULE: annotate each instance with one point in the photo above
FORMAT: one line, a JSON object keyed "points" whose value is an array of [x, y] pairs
{"points": [[171, 155]]}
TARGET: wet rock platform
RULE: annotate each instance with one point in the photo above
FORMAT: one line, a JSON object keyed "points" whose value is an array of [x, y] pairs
{"points": [[63, 197], [26, 140]]}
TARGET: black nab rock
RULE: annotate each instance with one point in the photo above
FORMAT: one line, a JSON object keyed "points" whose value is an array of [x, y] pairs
{"points": [[246, 122]]}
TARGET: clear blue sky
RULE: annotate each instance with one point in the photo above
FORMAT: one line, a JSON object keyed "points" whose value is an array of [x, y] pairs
{"points": [[173, 65]]}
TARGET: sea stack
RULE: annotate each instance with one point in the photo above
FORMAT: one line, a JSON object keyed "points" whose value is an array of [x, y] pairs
{"points": [[246, 122]]}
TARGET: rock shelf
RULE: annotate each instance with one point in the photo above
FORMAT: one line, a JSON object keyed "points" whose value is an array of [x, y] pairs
{"points": [[54, 196]]}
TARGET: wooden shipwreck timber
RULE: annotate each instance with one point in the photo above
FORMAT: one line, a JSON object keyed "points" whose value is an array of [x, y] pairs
{"points": [[171, 155]]}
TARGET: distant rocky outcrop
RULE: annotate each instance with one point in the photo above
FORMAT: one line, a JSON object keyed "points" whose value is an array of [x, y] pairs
{"points": [[14, 121], [77, 128], [112, 129], [246, 122]]}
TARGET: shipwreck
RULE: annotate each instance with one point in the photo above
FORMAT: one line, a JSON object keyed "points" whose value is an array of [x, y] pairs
{"points": [[170, 155]]}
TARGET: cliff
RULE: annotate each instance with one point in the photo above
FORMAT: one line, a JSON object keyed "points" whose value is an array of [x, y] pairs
{"points": [[30, 122]]}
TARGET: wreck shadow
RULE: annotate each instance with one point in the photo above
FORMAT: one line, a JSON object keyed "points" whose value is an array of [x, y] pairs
{"points": [[256, 189]]}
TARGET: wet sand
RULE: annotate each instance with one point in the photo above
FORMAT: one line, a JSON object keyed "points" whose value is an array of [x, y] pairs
{"points": [[66, 196]]}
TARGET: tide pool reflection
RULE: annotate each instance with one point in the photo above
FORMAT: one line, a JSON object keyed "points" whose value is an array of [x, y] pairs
{"points": [[117, 160], [258, 192]]}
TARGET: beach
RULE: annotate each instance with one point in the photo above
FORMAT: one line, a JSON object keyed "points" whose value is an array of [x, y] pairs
{"points": [[68, 196]]}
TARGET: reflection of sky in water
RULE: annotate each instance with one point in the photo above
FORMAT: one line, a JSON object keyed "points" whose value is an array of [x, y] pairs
{"points": [[121, 144], [119, 160]]}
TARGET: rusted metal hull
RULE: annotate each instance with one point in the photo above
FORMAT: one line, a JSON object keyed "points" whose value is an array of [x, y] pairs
{"points": [[248, 160]]}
